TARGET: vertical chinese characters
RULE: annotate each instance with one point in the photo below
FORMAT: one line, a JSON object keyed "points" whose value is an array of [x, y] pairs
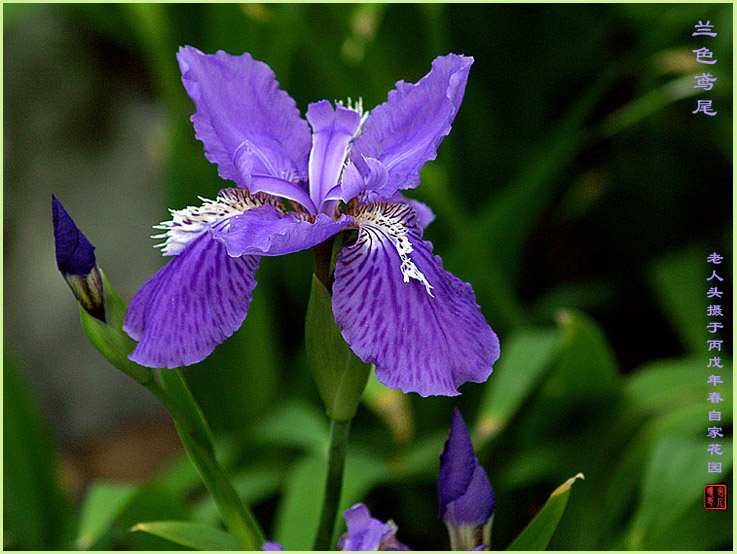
{"points": [[714, 310], [704, 81]]}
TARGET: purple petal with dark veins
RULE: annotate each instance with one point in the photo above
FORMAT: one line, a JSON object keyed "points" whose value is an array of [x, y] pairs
{"points": [[332, 130], [191, 305], [405, 131], [419, 343], [424, 213], [247, 124], [264, 231], [466, 496]]}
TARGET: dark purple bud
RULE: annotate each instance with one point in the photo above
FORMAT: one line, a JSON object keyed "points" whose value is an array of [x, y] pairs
{"points": [[466, 496], [75, 258], [74, 253]]}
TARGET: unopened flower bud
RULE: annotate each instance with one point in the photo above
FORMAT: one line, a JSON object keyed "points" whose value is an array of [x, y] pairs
{"points": [[466, 497], [75, 258]]}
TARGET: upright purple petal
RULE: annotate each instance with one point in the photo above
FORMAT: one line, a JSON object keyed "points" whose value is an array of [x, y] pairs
{"points": [[366, 533], [191, 305], [264, 231], [466, 496], [247, 124], [271, 546], [405, 132], [399, 309], [75, 255], [332, 130], [365, 175]]}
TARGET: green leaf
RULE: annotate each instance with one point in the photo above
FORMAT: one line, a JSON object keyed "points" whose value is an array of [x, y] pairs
{"points": [[620, 492], [665, 385], [527, 356], [679, 280], [252, 485], [295, 424], [540, 530], [648, 104], [586, 352], [104, 504], [674, 479], [298, 513], [339, 374], [582, 388], [697, 529], [196, 437], [199, 536], [585, 372], [33, 505]]}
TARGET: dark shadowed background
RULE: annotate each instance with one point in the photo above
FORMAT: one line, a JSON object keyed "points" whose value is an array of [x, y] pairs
{"points": [[577, 193]]}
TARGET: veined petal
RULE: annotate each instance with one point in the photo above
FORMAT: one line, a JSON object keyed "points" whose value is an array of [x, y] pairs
{"points": [[191, 305], [265, 231], [191, 222], [332, 131], [247, 124], [405, 131], [400, 310], [424, 213]]}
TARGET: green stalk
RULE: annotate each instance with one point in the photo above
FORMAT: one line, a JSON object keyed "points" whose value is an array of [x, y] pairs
{"points": [[196, 438], [333, 484]]}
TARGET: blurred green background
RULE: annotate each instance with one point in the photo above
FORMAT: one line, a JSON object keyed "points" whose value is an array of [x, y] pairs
{"points": [[577, 193]]}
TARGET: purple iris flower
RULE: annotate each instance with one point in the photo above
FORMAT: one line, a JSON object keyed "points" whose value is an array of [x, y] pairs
{"points": [[366, 533], [395, 304], [75, 258], [466, 497]]}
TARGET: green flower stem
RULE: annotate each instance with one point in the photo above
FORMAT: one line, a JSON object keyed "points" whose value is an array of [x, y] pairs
{"points": [[333, 484], [113, 343], [196, 438]]}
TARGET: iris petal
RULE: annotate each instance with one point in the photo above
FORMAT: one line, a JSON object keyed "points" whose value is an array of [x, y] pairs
{"points": [[424, 213], [400, 310], [191, 305], [364, 532], [405, 131], [246, 123], [332, 131], [264, 231], [366, 175]]}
